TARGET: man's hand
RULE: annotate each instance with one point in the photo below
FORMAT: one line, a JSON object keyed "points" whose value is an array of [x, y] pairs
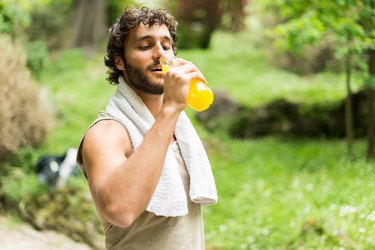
{"points": [[177, 81]]}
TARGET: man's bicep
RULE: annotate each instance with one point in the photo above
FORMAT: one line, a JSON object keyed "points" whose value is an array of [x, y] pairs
{"points": [[105, 148]]}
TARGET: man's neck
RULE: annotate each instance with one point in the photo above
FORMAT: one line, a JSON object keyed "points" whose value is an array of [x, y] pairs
{"points": [[153, 102]]}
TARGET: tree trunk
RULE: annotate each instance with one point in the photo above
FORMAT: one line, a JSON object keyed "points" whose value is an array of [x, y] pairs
{"points": [[206, 36], [238, 14], [90, 23], [348, 105], [371, 108], [206, 14]]}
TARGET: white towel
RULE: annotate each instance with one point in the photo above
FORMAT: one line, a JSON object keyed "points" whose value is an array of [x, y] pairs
{"points": [[169, 198]]}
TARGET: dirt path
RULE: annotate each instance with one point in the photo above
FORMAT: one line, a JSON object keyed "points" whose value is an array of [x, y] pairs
{"points": [[16, 235]]}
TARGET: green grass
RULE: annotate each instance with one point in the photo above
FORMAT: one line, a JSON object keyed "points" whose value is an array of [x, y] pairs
{"points": [[274, 193], [280, 193]]}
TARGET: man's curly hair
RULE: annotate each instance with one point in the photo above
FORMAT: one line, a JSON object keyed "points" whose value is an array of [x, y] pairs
{"points": [[119, 31]]}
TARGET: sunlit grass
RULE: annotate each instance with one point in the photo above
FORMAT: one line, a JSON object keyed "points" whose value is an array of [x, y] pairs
{"points": [[277, 193]]}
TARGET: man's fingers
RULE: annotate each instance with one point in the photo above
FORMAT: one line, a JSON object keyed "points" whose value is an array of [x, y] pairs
{"points": [[186, 69]]}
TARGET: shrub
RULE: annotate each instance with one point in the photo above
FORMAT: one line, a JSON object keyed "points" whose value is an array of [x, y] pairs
{"points": [[68, 210], [12, 18], [315, 59], [37, 56], [22, 119], [52, 22]]}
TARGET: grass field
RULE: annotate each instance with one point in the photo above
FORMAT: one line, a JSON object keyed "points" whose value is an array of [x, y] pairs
{"points": [[280, 193], [274, 192]]}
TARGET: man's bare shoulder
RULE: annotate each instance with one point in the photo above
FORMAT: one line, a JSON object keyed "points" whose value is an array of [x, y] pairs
{"points": [[106, 126], [107, 135]]}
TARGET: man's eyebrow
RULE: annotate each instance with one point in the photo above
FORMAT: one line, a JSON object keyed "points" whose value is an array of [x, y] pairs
{"points": [[146, 37]]}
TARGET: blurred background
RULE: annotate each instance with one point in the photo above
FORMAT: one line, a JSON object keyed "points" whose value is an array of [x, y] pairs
{"points": [[290, 135]]}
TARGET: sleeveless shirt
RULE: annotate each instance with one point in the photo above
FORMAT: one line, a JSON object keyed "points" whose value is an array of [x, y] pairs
{"points": [[150, 231]]}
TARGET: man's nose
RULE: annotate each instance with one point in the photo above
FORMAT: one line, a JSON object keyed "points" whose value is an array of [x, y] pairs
{"points": [[158, 53]]}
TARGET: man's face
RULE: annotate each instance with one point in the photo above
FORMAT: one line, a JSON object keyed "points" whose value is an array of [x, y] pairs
{"points": [[144, 47]]}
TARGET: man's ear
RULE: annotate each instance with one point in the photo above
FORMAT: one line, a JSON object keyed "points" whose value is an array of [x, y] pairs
{"points": [[119, 63]]}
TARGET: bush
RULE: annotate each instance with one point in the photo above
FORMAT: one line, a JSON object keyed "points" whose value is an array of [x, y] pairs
{"points": [[52, 22], [22, 119], [282, 117], [315, 59], [37, 56], [12, 18], [68, 210]]}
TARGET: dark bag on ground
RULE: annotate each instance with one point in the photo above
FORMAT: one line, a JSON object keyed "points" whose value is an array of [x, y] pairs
{"points": [[55, 170]]}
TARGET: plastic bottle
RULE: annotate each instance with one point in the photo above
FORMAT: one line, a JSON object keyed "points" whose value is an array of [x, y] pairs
{"points": [[200, 96]]}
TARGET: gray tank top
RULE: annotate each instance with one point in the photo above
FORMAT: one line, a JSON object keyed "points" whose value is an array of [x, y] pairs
{"points": [[150, 231]]}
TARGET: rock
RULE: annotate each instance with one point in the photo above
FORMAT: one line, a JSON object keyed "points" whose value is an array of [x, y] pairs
{"points": [[222, 110]]}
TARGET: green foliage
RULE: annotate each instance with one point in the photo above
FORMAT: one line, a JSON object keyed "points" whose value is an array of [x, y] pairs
{"points": [[17, 187], [37, 56], [350, 23], [25, 159], [5, 23], [115, 8], [51, 22], [68, 210], [18, 181], [12, 17], [370, 82], [299, 32], [189, 38], [34, 27]]}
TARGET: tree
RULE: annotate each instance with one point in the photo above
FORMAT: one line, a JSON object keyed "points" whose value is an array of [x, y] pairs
{"points": [[196, 21], [349, 24], [235, 12], [91, 23], [367, 21], [199, 19], [371, 120]]}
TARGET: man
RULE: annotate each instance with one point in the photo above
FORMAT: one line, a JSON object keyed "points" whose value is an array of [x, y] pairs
{"points": [[146, 167]]}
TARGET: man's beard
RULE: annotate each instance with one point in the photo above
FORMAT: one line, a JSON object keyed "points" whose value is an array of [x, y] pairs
{"points": [[140, 81]]}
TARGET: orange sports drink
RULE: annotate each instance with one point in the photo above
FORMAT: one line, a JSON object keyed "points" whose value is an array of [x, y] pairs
{"points": [[200, 96]]}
